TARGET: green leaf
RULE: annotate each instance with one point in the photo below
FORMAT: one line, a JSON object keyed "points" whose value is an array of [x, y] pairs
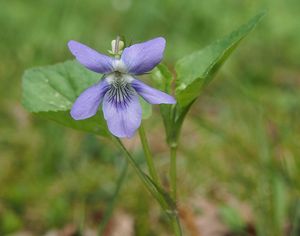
{"points": [[196, 70], [95, 124], [54, 88], [50, 92]]}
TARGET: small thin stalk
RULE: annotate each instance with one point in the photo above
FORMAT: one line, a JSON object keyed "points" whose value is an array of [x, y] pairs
{"points": [[148, 155], [143, 177], [176, 226], [109, 210], [173, 170], [174, 218]]}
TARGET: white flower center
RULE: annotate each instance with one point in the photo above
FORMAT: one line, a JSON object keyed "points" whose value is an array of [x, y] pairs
{"points": [[119, 66], [117, 78], [119, 75]]}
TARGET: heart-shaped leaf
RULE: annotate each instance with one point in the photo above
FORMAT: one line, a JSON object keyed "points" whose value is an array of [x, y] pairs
{"points": [[51, 90]]}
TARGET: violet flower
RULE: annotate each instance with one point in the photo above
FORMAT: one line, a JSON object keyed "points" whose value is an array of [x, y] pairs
{"points": [[119, 89]]}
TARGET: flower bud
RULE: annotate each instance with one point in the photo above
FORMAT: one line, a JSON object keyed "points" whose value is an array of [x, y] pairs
{"points": [[117, 46]]}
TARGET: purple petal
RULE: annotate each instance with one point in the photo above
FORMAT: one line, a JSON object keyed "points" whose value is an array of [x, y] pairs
{"points": [[123, 119], [86, 105], [143, 57], [150, 94], [90, 58]]}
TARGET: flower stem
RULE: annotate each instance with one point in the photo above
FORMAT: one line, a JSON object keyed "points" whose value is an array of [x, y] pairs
{"points": [[173, 169], [176, 226], [148, 155], [148, 182], [153, 188], [173, 182]]}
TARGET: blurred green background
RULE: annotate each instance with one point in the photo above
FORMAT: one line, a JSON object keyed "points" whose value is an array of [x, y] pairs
{"points": [[239, 166]]}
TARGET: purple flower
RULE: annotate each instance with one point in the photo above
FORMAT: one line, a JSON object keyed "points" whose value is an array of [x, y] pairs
{"points": [[119, 89]]}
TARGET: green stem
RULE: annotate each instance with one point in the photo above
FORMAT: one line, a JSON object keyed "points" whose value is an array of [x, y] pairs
{"points": [[173, 169], [155, 190], [109, 210], [176, 226], [148, 155], [148, 182]]}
